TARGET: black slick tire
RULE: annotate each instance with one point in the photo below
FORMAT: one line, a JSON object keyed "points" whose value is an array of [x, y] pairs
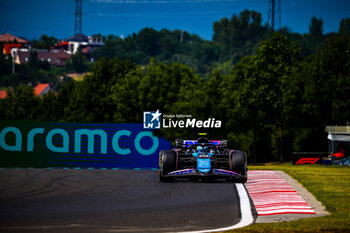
{"points": [[239, 165], [167, 163]]}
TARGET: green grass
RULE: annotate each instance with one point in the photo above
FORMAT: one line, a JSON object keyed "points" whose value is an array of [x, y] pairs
{"points": [[329, 184]]}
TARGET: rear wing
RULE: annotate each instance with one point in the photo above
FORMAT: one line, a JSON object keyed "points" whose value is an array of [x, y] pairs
{"points": [[189, 143]]}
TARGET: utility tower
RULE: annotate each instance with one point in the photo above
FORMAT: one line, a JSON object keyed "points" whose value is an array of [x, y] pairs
{"points": [[78, 18], [274, 14]]}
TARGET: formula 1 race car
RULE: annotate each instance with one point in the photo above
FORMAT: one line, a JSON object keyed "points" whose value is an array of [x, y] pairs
{"points": [[201, 159]]}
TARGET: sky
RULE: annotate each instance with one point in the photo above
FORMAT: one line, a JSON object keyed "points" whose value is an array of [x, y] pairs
{"points": [[32, 18]]}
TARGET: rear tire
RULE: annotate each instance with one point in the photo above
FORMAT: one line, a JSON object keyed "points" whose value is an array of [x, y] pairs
{"points": [[167, 164], [239, 165]]}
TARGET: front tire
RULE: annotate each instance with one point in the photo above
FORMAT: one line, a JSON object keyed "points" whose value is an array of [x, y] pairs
{"points": [[239, 164], [167, 163]]}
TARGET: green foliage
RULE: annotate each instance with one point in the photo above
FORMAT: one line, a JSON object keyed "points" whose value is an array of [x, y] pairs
{"points": [[20, 104], [225, 67], [164, 45], [92, 99], [316, 28], [328, 81], [253, 94], [47, 108], [124, 97], [5, 64], [78, 63], [344, 26], [160, 86], [63, 98], [148, 40], [173, 89], [239, 35], [314, 39], [45, 42]]}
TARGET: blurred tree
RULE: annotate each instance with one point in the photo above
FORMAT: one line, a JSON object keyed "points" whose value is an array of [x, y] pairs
{"points": [[316, 28], [21, 104], [159, 88], [322, 81], [344, 26], [327, 83], [47, 109], [314, 39], [124, 97], [165, 46], [148, 41], [78, 63], [5, 64], [254, 92], [45, 42], [90, 99], [63, 98], [239, 35]]}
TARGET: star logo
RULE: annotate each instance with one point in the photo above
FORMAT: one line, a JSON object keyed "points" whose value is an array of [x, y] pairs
{"points": [[151, 120], [156, 115]]}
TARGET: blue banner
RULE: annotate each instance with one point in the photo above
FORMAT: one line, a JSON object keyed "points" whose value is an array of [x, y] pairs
{"points": [[56, 144]]}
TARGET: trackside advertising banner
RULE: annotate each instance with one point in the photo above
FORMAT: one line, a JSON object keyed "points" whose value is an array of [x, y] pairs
{"points": [[55, 144]]}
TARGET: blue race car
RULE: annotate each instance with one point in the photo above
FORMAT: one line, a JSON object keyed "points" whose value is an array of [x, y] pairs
{"points": [[202, 159]]}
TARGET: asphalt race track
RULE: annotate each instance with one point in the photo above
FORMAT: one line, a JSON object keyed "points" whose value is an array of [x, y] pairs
{"points": [[66, 200]]}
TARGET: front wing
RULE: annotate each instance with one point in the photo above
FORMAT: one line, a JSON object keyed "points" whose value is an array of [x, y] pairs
{"points": [[194, 172]]}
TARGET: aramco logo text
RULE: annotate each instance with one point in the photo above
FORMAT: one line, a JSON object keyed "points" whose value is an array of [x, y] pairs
{"points": [[21, 142]]}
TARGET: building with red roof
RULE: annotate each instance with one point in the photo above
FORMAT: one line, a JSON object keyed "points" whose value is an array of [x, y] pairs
{"points": [[83, 42], [42, 88], [10, 38], [54, 57], [63, 45], [10, 42], [8, 47]]}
